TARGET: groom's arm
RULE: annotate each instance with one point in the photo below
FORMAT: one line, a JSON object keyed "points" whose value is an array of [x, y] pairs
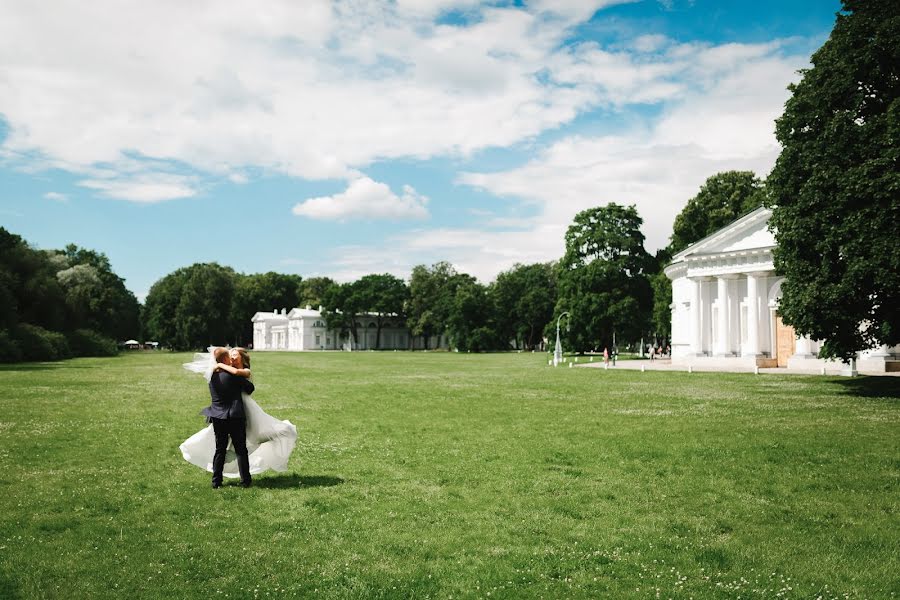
{"points": [[246, 384]]}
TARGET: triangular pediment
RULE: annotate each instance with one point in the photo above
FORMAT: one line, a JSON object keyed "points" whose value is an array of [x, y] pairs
{"points": [[750, 232]]}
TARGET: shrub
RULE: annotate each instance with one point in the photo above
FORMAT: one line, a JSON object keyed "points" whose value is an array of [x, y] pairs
{"points": [[86, 342], [9, 348], [38, 343]]}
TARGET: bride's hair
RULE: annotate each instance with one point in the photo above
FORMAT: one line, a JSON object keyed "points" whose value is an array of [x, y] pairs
{"points": [[245, 357]]}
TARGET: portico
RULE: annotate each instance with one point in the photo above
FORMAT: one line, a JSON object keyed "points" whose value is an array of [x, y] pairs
{"points": [[724, 307]]}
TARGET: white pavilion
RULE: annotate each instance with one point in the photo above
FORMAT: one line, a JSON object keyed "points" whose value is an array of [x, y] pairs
{"points": [[303, 329], [725, 297]]}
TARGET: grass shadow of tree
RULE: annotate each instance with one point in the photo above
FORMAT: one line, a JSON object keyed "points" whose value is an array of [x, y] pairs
{"points": [[293, 481], [872, 386]]}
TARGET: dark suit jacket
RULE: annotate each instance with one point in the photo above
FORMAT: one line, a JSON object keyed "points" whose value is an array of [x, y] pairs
{"points": [[225, 394]]}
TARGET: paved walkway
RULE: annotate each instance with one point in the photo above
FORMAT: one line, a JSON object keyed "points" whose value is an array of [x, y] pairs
{"points": [[666, 365]]}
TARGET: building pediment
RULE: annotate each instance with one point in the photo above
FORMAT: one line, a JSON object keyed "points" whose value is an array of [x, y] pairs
{"points": [[268, 316], [748, 233]]}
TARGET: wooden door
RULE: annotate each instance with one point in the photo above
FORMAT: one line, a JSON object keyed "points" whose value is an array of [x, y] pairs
{"points": [[784, 341]]}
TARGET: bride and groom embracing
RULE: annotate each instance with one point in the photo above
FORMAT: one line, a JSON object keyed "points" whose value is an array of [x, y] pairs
{"points": [[241, 438]]}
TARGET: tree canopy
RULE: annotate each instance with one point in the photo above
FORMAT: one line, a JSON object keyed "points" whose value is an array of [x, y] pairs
{"points": [[59, 303], [722, 199], [836, 186], [602, 278]]}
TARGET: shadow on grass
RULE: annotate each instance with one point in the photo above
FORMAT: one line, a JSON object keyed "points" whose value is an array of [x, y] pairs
{"points": [[286, 482], [12, 368], [872, 386]]}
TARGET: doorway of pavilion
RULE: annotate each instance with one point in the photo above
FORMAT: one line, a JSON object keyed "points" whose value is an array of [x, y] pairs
{"points": [[785, 341]]}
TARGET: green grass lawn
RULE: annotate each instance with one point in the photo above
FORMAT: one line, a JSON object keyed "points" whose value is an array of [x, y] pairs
{"points": [[435, 475]]}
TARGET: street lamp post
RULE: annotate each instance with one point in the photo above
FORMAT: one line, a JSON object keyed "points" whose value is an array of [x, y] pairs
{"points": [[557, 353]]}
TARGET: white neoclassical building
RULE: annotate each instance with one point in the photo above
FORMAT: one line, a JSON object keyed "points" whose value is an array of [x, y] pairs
{"points": [[725, 297], [305, 329]]}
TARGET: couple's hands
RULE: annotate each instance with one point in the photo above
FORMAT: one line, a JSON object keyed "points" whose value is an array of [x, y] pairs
{"points": [[224, 367]]}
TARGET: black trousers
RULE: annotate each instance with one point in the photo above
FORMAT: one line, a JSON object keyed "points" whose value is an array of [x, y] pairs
{"points": [[237, 430]]}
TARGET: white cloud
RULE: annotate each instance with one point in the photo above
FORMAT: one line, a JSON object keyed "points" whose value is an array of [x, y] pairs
{"points": [[144, 188], [313, 90], [725, 121], [56, 197], [365, 199]]}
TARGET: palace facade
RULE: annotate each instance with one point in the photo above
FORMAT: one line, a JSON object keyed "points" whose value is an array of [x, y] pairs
{"points": [[303, 329], [725, 297]]}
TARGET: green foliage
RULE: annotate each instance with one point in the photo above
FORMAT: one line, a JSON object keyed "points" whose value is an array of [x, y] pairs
{"points": [[662, 300], [340, 309], [431, 299], [311, 291], [10, 351], [445, 474], [46, 295], [28, 283], [95, 296], [259, 292], [836, 186], [85, 342], [602, 279], [470, 323], [191, 308], [722, 199], [382, 295], [523, 299], [37, 343]]}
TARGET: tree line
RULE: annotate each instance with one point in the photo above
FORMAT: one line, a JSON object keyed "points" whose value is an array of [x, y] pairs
{"points": [[60, 303], [69, 302], [610, 286]]}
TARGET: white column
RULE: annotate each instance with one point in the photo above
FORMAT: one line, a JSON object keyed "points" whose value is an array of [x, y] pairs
{"points": [[696, 332], [803, 347], [752, 315], [723, 341]]}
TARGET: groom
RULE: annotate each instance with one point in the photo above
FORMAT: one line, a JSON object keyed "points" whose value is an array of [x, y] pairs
{"points": [[226, 413]]}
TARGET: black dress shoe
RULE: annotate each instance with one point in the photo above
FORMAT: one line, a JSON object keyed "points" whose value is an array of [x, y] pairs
{"points": [[216, 486], [246, 484]]}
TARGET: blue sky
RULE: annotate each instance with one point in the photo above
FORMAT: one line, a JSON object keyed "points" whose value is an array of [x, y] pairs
{"points": [[344, 138]]}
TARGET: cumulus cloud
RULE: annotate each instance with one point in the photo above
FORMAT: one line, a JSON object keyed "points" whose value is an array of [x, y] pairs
{"points": [[723, 120], [315, 90], [365, 199]]}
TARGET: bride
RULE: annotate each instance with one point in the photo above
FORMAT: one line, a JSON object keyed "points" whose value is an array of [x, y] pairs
{"points": [[269, 441]]}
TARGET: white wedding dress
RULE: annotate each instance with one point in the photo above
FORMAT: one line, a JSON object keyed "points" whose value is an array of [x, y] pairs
{"points": [[269, 441]]}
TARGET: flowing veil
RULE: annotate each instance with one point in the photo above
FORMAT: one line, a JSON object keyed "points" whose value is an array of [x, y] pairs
{"points": [[269, 440]]}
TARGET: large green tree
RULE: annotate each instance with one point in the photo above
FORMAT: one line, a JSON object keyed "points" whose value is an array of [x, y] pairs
{"points": [[524, 298], [836, 186], [382, 295], [192, 307], [260, 292], [96, 297], [602, 278], [470, 319], [341, 307], [311, 291], [431, 298]]}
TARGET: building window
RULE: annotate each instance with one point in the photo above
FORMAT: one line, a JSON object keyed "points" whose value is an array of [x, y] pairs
{"points": [[318, 340]]}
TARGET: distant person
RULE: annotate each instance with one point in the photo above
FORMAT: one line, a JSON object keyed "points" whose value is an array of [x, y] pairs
{"points": [[258, 441], [606, 356], [652, 352]]}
